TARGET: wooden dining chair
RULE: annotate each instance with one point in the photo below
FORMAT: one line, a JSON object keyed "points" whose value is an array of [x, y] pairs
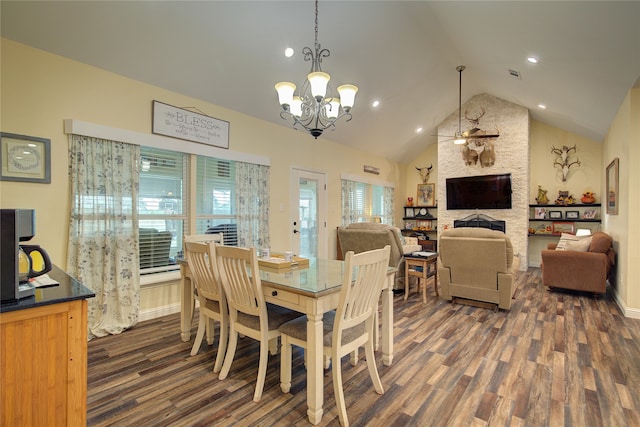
{"points": [[201, 258], [249, 314], [202, 238], [350, 326]]}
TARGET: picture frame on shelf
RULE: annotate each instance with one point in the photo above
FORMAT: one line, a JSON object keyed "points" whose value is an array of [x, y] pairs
{"points": [[612, 197], [563, 227], [426, 194], [25, 158], [555, 214], [541, 213], [589, 214], [409, 213], [572, 215]]}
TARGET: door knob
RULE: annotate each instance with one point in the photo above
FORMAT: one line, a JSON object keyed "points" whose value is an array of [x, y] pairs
{"points": [[295, 231]]}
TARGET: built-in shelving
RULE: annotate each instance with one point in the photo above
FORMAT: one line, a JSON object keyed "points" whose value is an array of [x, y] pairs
{"points": [[553, 220], [419, 219]]}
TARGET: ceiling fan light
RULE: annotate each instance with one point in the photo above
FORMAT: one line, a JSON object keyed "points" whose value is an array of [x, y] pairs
{"points": [[318, 81], [296, 106], [285, 92], [459, 139], [332, 108], [348, 96]]}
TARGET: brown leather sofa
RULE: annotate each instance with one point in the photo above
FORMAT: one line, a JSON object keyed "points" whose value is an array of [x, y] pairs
{"points": [[477, 264], [580, 271]]}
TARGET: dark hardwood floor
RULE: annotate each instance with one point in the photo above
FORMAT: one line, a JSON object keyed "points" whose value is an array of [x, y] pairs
{"points": [[554, 359]]}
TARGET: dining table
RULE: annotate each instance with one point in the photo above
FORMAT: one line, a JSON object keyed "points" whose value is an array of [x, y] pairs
{"points": [[312, 289]]}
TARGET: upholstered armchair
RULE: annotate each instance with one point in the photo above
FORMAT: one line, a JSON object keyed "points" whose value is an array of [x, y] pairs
{"points": [[365, 236], [477, 264], [579, 264]]}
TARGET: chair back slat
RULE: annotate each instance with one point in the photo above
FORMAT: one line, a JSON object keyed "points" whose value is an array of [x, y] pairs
{"points": [[363, 280], [241, 279], [204, 238], [201, 259]]}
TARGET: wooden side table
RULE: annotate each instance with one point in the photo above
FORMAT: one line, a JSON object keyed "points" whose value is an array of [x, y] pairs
{"points": [[423, 268]]}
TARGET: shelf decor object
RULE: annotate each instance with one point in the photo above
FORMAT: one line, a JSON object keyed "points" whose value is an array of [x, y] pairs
{"points": [[612, 197], [555, 214], [563, 227], [572, 215], [25, 158], [589, 214]]}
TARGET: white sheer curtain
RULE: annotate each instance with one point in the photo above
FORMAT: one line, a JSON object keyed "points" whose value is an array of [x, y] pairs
{"points": [[252, 206], [103, 230], [388, 215], [349, 213]]}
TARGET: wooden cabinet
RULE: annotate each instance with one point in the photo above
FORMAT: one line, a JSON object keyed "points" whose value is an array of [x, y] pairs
{"points": [[44, 365], [43, 355]]}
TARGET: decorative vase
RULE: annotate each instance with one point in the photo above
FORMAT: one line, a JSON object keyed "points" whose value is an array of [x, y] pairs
{"points": [[588, 198]]}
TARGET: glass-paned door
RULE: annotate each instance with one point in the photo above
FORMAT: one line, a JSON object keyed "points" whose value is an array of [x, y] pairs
{"points": [[308, 214]]}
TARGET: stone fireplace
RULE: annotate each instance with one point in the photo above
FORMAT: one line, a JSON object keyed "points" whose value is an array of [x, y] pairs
{"points": [[511, 150]]}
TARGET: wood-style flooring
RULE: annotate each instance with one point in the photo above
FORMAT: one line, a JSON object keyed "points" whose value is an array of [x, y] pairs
{"points": [[555, 359]]}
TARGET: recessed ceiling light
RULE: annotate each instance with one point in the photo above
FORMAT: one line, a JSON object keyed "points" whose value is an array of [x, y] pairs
{"points": [[288, 52], [419, 130], [532, 59], [542, 106], [375, 103]]}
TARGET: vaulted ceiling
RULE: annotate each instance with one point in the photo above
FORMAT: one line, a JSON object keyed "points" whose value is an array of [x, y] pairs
{"points": [[402, 53]]}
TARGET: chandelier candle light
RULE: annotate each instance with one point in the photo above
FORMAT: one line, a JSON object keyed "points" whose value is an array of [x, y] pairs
{"points": [[315, 108]]}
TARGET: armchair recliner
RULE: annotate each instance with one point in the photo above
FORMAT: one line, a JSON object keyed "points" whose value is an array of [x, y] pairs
{"points": [[477, 264], [366, 236]]}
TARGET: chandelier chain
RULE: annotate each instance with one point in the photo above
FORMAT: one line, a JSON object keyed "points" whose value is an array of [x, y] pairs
{"points": [[316, 33]]}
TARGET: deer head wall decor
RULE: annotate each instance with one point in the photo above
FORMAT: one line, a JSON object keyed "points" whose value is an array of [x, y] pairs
{"points": [[563, 161], [424, 173], [479, 144]]}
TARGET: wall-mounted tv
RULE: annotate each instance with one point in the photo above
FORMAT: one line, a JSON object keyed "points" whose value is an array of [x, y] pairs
{"points": [[479, 192]]}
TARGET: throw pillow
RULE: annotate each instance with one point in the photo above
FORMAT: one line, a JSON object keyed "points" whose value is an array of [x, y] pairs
{"points": [[581, 245], [601, 242], [566, 238]]}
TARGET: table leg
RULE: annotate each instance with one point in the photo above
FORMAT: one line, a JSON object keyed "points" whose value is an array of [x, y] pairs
{"points": [[315, 386], [387, 322], [435, 277], [186, 306]]}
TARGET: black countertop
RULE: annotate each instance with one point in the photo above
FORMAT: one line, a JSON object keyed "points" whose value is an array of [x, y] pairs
{"points": [[69, 289]]}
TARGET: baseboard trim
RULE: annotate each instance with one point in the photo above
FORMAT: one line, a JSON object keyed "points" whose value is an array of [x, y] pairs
{"points": [[154, 313], [632, 313]]}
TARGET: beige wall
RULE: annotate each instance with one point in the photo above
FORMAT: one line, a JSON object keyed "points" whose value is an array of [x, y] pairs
{"points": [[585, 177], [40, 90], [623, 142]]}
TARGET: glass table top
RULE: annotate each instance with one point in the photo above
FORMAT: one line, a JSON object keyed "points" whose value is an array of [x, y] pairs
{"points": [[320, 276]]}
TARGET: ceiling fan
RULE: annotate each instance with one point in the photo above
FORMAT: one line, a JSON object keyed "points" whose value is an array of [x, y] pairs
{"points": [[474, 133]]}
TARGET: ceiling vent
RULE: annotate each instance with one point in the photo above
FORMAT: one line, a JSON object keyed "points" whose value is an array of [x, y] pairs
{"points": [[515, 74]]}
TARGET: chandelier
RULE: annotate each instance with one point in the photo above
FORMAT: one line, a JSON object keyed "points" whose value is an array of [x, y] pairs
{"points": [[315, 108]]}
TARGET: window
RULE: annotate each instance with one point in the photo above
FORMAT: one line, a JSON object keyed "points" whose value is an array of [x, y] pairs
{"points": [[362, 202], [162, 207], [216, 198]]}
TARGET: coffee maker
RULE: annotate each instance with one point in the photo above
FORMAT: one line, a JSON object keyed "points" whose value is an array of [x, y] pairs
{"points": [[16, 225]]}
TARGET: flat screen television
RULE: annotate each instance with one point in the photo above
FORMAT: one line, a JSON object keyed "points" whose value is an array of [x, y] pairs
{"points": [[479, 192]]}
